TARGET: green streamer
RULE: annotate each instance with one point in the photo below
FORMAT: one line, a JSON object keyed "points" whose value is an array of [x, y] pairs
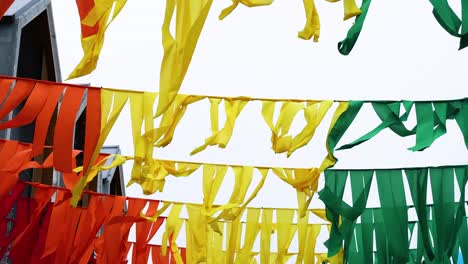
{"points": [[464, 33], [345, 46], [446, 17], [342, 124], [389, 113], [442, 184], [394, 213], [367, 231], [332, 195], [381, 239], [417, 181], [334, 183], [463, 238], [431, 121], [460, 108]]}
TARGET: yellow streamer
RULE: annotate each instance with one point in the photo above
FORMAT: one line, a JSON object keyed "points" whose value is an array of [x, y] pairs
{"points": [[252, 229], [215, 252], [286, 231], [280, 140], [118, 160], [173, 225], [350, 8], [312, 26], [330, 160], [304, 180], [221, 137], [249, 3], [197, 235], [178, 50], [92, 44], [266, 230], [153, 178], [109, 101], [234, 232], [307, 237], [314, 113], [171, 118]]}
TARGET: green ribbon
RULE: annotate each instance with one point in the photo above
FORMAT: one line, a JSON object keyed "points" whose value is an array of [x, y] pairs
{"points": [[341, 125], [417, 181], [394, 213], [346, 45], [332, 196], [431, 121], [449, 20]]}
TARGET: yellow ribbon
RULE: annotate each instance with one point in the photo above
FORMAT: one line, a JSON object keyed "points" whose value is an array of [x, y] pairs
{"points": [[92, 45], [286, 232], [249, 3], [245, 254], [111, 106], [312, 26], [233, 108], [118, 160], [178, 50], [266, 230], [314, 112], [173, 225]]}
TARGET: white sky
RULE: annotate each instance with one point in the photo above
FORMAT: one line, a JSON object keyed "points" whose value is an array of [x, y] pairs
{"points": [[402, 53]]}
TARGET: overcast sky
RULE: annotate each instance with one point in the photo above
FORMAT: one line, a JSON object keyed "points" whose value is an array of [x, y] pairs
{"points": [[402, 53]]}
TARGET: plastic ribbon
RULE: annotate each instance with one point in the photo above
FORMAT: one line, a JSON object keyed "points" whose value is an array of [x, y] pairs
{"points": [[162, 136], [332, 195], [94, 16], [431, 121], [15, 157], [312, 26], [250, 3], [222, 137], [41, 102], [281, 141], [173, 226], [111, 106], [303, 180], [449, 20], [286, 232], [245, 254], [346, 45], [178, 50]]}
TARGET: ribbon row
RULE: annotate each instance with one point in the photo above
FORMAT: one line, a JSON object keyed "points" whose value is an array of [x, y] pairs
{"points": [[105, 105], [27, 235]]}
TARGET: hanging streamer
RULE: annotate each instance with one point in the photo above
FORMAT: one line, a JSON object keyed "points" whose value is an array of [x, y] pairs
{"points": [[250, 3], [41, 103], [178, 50], [431, 120], [16, 157], [95, 17], [346, 45]]}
